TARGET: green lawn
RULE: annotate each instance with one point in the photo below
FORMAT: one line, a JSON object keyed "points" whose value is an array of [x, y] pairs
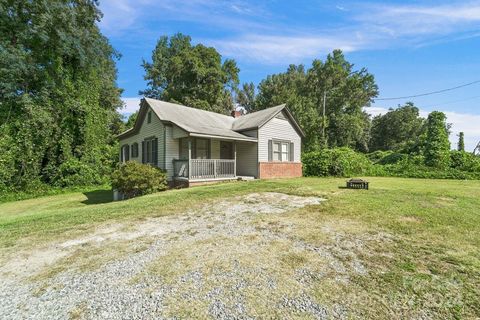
{"points": [[430, 265]]}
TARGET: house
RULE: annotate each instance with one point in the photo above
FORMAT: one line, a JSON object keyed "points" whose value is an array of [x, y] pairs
{"points": [[195, 146]]}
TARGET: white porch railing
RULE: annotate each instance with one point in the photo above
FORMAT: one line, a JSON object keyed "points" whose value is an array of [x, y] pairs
{"points": [[205, 168], [212, 168]]}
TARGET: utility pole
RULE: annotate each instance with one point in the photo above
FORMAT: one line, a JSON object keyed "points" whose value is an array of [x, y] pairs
{"points": [[324, 119]]}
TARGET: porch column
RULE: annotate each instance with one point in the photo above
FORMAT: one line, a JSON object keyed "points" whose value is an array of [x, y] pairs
{"points": [[235, 158], [189, 158]]}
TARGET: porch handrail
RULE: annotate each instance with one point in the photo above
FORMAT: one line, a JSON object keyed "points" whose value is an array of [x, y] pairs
{"points": [[212, 168]]}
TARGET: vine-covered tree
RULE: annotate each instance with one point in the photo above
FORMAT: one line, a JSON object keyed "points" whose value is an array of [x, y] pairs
{"points": [[58, 93], [437, 145], [397, 130], [193, 75], [461, 142]]}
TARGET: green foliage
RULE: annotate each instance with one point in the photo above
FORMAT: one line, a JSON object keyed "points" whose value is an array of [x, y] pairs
{"points": [[58, 93], [461, 142], [465, 161], [437, 146], [346, 162], [74, 172], [347, 92], [396, 130], [335, 162], [193, 75], [135, 179], [131, 120], [246, 97]]}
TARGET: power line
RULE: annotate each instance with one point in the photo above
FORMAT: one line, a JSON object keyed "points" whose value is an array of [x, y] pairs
{"points": [[429, 93]]}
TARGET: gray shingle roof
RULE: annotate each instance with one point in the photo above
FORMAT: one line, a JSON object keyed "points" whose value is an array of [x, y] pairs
{"points": [[256, 119], [201, 122]]}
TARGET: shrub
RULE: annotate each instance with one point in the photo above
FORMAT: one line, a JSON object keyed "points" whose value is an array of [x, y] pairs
{"points": [[135, 179], [335, 162], [74, 172]]}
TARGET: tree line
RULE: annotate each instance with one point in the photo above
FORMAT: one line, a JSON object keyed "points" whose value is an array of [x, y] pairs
{"points": [[60, 102]]}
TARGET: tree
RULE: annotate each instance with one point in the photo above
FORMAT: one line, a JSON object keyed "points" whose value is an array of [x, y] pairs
{"points": [[246, 97], [397, 129], [193, 75], [58, 92], [346, 90], [131, 120], [437, 146], [461, 142]]}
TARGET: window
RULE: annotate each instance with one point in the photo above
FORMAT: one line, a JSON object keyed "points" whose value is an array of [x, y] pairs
{"points": [[135, 150], [285, 150], [280, 150], [149, 117], [149, 151], [202, 148], [277, 155]]}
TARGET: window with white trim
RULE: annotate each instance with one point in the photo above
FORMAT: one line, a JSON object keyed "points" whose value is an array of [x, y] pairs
{"points": [[280, 151]]}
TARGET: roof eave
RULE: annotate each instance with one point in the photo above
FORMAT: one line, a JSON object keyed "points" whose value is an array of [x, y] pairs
{"points": [[213, 136]]}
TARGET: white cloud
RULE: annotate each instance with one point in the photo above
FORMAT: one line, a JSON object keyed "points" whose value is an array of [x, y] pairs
{"points": [[275, 49], [132, 104], [400, 21], [461, 122]]}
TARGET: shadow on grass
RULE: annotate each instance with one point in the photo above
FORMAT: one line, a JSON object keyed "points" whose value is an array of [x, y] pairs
{"points": [[98, 197]]}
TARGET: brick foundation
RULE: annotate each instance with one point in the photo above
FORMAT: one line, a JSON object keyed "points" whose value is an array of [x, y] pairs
{"points": [[269, 170]]}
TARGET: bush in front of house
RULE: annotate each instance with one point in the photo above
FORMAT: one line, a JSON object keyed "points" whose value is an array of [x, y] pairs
{"points": [[134, 179]]}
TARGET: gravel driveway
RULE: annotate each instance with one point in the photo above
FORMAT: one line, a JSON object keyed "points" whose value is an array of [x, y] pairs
{"points": [[230, 259]]}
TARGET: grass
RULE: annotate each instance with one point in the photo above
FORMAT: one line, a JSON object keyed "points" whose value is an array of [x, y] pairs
{"points": [[418, 240]]}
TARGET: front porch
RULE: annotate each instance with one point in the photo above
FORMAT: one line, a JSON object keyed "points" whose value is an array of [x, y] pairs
{"points": [[204, 160]]}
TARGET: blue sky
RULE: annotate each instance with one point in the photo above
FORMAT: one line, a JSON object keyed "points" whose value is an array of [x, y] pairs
{"points": [[410, 46]]}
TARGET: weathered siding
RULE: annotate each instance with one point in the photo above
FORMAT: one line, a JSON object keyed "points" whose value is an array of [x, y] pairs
{"points": [[154, 128], [247, 162], [172, 147], [278, 129], [179, 133]]}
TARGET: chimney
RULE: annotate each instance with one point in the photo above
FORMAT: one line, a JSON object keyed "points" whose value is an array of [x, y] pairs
{"points": [[236, 113]]}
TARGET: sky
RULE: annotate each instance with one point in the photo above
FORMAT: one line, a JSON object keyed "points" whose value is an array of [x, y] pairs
{"points": [[411, 47]]}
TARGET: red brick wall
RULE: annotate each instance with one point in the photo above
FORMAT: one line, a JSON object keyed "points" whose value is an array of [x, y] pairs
{"points": [[268, 170]]}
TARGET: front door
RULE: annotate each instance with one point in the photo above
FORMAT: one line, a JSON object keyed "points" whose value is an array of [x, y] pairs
{"points": [[226, 150]]}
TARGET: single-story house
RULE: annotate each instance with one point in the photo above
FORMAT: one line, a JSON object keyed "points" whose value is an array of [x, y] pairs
{"points": [[195, 146]]}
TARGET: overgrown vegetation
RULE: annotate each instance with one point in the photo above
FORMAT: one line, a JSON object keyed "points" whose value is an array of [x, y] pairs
{"points": [[347, 163], [58, 96], [135, 179]]}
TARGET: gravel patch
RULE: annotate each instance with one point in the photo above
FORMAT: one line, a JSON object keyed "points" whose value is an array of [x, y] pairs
{"points": [[121, 289]]}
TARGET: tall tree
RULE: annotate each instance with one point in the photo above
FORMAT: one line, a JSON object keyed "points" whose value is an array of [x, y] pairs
{"points": [[437, 145], [333, 83], [193, 75], [397, 129], [461, 142], [58, 92], [246, 97]]}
